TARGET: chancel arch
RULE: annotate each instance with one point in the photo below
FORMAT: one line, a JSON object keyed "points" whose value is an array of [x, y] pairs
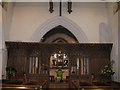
{"points": [[59, 34], [56, 21]]}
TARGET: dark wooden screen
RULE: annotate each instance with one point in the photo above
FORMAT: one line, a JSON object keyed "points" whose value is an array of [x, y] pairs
{"points": [[20, 52]]}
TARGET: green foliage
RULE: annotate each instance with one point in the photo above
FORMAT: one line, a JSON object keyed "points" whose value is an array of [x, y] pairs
{"points": [[59, 73], [107, 71], [10, 70]]}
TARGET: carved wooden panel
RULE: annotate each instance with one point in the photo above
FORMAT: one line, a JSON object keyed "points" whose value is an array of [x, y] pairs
{"points": [[20, 52]]}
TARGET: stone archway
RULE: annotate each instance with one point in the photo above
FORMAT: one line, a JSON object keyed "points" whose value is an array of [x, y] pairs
{"points": [[59, 34], [63, 21]]}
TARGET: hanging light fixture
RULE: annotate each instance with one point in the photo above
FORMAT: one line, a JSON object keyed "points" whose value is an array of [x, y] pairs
{"points": [[51, 6], [69, 7]]}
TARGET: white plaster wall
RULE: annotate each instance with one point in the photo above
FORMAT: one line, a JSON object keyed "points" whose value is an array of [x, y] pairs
{"points": [[104, 33], [6, 20], [114, 54], [88, 16], [27, 18], [113, 25]]}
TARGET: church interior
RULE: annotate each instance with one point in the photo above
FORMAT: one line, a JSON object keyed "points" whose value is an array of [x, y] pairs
{"points": [[63, 44]]}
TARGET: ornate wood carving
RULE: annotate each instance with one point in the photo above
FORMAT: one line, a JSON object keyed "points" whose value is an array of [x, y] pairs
{"points": [[19, 53]]}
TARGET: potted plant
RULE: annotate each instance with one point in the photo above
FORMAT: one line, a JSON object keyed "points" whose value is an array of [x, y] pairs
{"points": [[107, 72], [10, 72]]}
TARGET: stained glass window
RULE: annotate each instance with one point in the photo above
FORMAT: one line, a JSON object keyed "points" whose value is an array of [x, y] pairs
{"points": [[59, 60]]}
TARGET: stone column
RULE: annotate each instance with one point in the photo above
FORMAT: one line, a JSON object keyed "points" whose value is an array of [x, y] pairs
{"points": [[3, 51], [0, 42]]}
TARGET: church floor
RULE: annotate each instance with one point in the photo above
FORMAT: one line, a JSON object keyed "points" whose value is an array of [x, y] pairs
{"points": [[58, 86]]}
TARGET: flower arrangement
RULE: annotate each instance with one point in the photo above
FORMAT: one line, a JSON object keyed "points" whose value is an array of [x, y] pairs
{"points": [[10, 71], [108, 71]]}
